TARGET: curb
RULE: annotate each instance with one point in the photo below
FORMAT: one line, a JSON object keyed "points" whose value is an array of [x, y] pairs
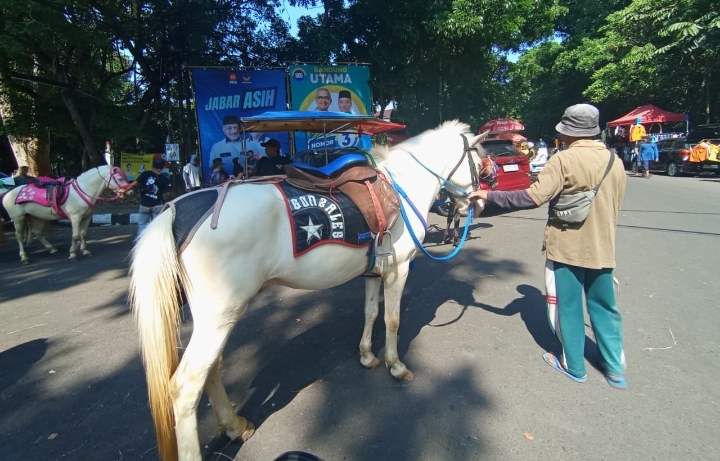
{"points": [[108, 219]]}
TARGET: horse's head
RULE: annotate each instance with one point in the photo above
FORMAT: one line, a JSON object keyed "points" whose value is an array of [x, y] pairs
{"points": [[114, 177]]}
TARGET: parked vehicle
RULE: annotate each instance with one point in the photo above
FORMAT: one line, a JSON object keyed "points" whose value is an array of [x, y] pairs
{"points": [[700, 132], [514, 167], [674, 157]]}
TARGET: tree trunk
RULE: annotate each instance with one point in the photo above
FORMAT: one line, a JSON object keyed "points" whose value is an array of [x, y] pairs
{"points": [[92, 156], [706, 82], [30, 151]]}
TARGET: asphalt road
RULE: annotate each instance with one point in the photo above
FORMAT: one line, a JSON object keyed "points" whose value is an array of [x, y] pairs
{"points": [[473, 331]]}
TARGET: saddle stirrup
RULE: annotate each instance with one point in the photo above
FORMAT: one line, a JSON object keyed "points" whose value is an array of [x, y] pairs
{"points": [[378, 244]]}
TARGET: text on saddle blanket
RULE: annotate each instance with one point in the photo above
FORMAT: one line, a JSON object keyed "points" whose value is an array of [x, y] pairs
{"points": [[373, 195], [317, 219]]}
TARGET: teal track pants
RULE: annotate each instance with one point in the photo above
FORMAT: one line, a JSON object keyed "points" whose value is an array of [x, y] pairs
{"points": [[565, 285]]}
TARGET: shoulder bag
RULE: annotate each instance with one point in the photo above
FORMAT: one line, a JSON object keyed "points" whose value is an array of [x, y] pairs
{"points": [[574, 208]]}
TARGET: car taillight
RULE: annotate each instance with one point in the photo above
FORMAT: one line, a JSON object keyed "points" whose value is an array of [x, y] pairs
{"points": [[685, 154]]}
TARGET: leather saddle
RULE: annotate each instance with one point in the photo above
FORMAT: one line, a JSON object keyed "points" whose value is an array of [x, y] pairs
{"points": [[56, 190], [352, 175]]}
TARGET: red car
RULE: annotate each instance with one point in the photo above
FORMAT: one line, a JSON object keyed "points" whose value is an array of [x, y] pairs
{"points": [[513, 165]]}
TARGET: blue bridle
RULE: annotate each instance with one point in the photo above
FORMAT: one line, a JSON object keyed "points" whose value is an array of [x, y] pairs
{"points": [[446, 182]]}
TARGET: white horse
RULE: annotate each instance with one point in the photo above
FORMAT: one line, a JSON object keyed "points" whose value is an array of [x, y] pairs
{"points": [[219, 285], [84, 191]]}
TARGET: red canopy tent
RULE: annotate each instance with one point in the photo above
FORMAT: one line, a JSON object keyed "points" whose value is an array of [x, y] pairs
{"points": [[647, 114]]}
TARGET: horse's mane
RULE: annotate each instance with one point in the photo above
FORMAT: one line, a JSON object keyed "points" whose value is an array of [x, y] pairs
{"points": [[383, 153]]}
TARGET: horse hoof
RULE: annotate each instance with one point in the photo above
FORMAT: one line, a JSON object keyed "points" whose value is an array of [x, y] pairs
{"points": [[405, 377], [53, 251], [73, 259], [247, 433], [88, 254], [25, 261], [373, 363]]}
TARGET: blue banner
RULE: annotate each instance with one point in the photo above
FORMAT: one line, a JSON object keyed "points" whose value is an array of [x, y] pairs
{"points": [[222, 96]]}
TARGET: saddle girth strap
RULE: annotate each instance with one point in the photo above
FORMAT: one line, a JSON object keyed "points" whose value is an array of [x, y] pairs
{"points": [[218, 204], [56, 197], [378, 212]]}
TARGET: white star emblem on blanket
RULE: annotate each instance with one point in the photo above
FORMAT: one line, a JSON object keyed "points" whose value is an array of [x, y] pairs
{"points": [[313, 230]]}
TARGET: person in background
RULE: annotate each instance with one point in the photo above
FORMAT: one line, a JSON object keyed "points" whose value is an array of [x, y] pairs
{"points": [[238, 170], [542, 155], [647, 153], [273, 163], [153, 188], [580, 257], [191, 174], [218, 174], [23, 177]]}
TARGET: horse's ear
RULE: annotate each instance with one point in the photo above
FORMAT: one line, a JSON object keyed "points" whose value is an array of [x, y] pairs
{"points": [[476, 140]]}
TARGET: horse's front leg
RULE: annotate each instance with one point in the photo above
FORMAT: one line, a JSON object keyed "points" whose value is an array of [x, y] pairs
{"points": [[84, 224], [372, 293], [450, 217], [394, 285], [75, 222], [456, 232]]}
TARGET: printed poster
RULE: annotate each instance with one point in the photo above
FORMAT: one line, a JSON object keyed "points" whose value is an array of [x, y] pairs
{"points": [[134, 164], [333, 89], [222, 97]]}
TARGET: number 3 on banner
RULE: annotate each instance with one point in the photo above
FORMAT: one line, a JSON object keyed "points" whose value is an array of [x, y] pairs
{"points": [[347, 139]]}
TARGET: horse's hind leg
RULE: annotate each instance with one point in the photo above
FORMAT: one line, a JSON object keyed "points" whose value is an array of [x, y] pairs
{"points": [[19, 236], [201, 356], [38, 229], [394, 285], [233, 425], [372, 293]]}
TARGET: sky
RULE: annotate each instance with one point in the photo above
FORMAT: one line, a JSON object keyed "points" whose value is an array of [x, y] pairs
{"points": [[291, 14]]}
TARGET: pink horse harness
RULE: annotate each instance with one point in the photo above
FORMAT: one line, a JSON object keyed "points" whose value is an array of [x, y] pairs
{"points": [[53, 193]]}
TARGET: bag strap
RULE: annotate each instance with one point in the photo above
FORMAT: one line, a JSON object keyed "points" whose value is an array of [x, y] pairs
{"points": [[607, 170]]}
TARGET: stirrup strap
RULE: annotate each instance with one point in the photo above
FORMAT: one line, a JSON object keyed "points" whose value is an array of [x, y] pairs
{"points": [[382, 222]]}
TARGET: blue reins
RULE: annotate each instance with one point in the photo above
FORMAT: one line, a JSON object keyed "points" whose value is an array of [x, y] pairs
{"points": [[406, 220], [446, 182]]}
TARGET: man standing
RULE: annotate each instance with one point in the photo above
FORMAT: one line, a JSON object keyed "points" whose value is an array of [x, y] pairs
{"points": [[580, 257], [345, 101], [153, 187], [230, 146], [323, 99], [191, 174], [273, 163]]}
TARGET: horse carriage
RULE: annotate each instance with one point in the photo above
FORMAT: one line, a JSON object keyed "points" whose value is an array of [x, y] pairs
{"points": [[316, 227]]}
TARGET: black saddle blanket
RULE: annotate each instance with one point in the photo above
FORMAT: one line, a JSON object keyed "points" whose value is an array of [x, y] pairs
{"points": [[316, 219], [191, 210]]}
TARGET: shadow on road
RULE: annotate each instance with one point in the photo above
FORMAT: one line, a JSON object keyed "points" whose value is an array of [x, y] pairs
{"points": [[17, 361], [280, 348], [51, 273]]}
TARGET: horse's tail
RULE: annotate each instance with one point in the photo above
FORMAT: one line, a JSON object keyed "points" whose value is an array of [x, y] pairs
{"points": [[155, 276]]}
